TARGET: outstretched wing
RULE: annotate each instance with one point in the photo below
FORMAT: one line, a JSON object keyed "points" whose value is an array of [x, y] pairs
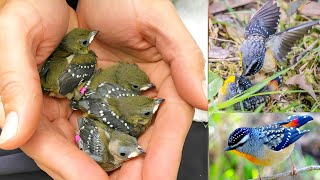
{"points": [[265, 21], [282, 42]]}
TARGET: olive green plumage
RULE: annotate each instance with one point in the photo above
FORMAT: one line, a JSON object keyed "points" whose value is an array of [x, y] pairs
{"points": [[70, 64], [125, 113], [128, 76], [109, 148]]}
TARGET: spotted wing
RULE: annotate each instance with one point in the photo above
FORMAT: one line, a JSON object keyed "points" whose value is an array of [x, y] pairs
{"points": [[108, 90], [79, 70], [279, 137], [90, 141], [98, 109], [265, 21], [282, 42]]}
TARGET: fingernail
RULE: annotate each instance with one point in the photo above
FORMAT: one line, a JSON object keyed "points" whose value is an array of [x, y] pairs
{"points": [[10, 127], [205, 88]]}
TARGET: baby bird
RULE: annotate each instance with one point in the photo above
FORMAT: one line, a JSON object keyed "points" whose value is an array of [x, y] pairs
{"points": [[109, 148], [70, 64], [119, 109], [128, 76]]}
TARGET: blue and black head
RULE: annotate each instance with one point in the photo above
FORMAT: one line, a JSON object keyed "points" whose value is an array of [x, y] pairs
{"points": [[238, 137]]}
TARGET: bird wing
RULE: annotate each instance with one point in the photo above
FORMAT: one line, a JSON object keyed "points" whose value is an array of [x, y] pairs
{"points": [[99, 110], [77, 72], [278, 137], [282, 42], [109, 90], [264, 21], [91, 142]]}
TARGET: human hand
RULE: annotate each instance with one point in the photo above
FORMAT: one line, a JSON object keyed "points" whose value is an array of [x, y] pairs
{"points": [[30, 31], [151, 34]]}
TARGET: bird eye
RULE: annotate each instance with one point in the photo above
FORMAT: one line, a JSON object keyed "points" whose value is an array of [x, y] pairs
{"points": [[122, 154], [84, 42], [135, 86], [148, 113]]}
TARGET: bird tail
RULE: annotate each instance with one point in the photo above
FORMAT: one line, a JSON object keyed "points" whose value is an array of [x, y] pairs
{"points": [[297, 121]]}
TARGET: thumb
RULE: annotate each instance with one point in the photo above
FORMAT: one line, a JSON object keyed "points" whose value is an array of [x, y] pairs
{"points": [[20, 90], [178, 48]]}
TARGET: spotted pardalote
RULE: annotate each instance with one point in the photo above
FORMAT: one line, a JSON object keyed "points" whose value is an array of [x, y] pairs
{"points": [[260, 34], [119, 109], [268, 145], [235, 85], [108, 147], [126, 75], [71, 63]]}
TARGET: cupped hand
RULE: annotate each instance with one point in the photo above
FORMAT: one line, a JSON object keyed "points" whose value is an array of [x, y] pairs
{"points": [[39, 125], [150, 33]]}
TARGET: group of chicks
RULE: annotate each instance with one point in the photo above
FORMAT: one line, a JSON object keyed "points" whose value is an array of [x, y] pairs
{"points": [[114, 112], [260, 36]]}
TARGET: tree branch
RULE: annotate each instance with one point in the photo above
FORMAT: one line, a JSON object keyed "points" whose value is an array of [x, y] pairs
{"points": [[289, 173]]}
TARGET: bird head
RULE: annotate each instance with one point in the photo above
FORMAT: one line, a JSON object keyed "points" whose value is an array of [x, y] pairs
{"points": [[137, 110], [238, 139], [130, 76], [123, 146], [78, 40]]}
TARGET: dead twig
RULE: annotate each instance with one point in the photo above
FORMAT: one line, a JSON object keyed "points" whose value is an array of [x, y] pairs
{"points": [[289, 173], [235, 59], [223, 40]]}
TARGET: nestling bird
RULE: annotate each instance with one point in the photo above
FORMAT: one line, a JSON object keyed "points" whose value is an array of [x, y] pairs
{"points": [[260, 34], [109, 148], [70, 64], [128, 76], [235, 85], [268, 145], [119, 109]]}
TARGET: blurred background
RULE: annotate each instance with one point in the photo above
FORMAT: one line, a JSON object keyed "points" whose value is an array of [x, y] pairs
{"points": [[226, 165]]}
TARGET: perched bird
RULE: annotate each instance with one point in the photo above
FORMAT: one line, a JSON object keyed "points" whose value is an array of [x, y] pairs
{"points": [[260, 34], [70, 64], [109, 148], [235, 85], [119, 109], [268, 145], [128, 76]]}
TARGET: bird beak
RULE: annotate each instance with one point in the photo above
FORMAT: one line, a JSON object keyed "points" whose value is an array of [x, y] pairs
{"points": [[136, 152], [148, 86], [91, 36], [159, 100], [228, 148]]}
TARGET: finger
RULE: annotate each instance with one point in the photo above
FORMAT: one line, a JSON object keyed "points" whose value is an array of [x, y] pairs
{"points": [[177, 48], [168, 135], [55, 152], [19, 86]]}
